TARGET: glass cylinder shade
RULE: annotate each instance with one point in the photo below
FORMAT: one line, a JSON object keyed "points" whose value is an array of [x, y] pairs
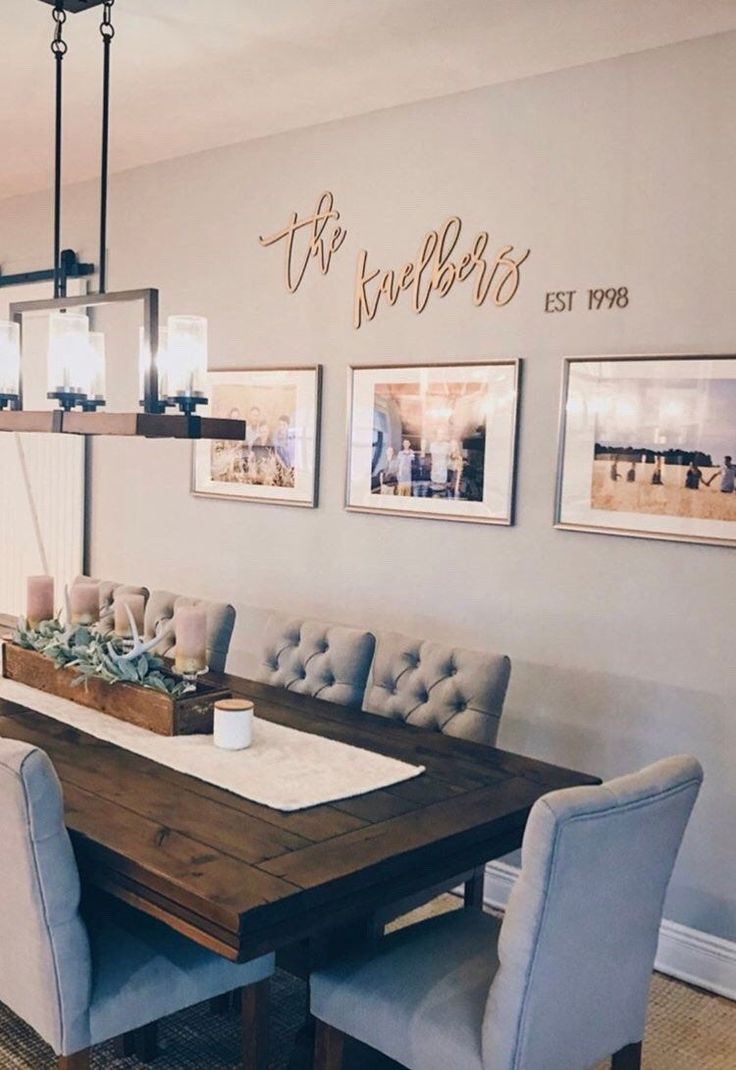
{"points": [[144, 356], [9, 358], [186, 363], [69, 357], [94, 386]]}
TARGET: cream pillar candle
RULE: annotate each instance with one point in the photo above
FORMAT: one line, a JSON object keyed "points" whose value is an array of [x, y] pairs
{"points": [[39, 600], [85, 602], [137, 605], [233, 723], [190, 629]]}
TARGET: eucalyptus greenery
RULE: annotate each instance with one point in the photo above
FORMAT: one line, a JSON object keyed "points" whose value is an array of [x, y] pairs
{"points": [[95, 656]]}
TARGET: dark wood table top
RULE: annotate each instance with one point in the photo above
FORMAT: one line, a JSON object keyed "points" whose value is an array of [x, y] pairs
{"points": [[241, 878]]}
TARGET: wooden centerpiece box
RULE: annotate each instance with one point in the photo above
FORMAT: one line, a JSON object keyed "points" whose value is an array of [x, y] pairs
{"points": [[168, 716]]}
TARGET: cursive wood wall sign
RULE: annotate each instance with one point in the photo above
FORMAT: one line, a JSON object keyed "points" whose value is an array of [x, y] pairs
{"points": [[436, 268], [318, 246], [435, 271]]}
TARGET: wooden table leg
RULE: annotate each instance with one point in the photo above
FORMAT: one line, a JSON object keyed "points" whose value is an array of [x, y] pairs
{"points": [[328, 1047], [628, 1058], [78, 1061], [474, 889], [146, 1042], [255, 1025]]}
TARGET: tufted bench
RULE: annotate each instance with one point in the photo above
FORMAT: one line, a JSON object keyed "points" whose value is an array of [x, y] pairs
{"points": [[327, 661], [159, 614], [445, 689]]}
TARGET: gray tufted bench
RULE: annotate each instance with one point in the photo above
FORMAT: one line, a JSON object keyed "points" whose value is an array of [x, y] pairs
{"points": [[159, 614], [327, 661], [443, 689]]}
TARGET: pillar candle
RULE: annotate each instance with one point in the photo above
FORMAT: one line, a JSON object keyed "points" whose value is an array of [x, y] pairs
{"points": [[85, 602], [39, 600], [190, 627], [137, 606]]}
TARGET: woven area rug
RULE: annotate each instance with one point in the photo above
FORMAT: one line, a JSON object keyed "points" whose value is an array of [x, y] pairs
{"points": [[688, 1030]]}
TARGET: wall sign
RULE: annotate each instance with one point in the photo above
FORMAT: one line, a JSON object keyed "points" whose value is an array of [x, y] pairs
{"points": [[435, 270], [318, 246]]}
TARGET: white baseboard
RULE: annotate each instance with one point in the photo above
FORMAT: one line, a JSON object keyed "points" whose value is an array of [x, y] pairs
{"points": [[687, 954]]}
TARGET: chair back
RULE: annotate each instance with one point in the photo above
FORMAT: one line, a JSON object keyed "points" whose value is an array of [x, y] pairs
{"points": [[443, 688], [160, 610], [578, 942], [327, 661], [45, 964]]}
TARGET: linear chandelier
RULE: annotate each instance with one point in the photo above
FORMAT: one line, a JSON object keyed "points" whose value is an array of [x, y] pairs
{"points": [[172, 362]]}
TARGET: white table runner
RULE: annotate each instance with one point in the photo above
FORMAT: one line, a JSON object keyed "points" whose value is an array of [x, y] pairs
{"points": [[283, 768]]}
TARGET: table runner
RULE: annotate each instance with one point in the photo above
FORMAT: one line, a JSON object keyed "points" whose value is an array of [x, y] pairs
{"points": [[283, 768]]}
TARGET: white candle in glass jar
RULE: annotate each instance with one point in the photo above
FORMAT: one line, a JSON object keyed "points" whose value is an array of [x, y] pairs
{"points": [[233, 723], [85, 602]]}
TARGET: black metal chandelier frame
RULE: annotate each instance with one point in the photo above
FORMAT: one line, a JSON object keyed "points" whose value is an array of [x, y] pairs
{"points": [[152, 421]]}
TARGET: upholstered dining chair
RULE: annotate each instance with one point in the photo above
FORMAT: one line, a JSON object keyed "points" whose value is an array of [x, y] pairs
{"points": [[328, 661], [438, 687], [443, 689], [161, 608], [80, 977], [159, 616], [563, 981]]}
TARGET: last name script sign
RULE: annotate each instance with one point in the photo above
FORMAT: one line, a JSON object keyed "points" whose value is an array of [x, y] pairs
{"points": [[443, 260]]}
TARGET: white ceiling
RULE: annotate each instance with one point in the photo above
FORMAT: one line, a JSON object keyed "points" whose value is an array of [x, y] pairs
{"points": [[193, 74]]}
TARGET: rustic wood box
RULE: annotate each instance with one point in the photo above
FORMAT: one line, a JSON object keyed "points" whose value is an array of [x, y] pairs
{"points": [[191, 713]]}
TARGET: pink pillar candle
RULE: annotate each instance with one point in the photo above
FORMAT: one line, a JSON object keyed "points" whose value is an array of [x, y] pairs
{"points": [[85, 602], [39, 600], [137, 605], [190, 628]]}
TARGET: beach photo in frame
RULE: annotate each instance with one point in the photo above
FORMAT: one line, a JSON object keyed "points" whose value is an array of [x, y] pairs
{"points": [[433, 440], [648, 447], [279, 461]]}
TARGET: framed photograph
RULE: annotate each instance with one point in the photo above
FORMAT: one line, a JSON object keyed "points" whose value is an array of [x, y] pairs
{"points": [[648, 447], [279, 460], [433, 440]]}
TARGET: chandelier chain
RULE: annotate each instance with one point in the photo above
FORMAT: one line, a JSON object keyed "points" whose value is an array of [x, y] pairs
{"points": [[59, 45], [107, 30]]}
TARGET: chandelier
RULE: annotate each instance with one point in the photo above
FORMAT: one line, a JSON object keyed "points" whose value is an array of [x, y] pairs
{"points": [[172, 361]]}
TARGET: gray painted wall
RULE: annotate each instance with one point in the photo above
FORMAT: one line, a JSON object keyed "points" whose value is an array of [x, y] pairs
{"points": [[619, 173]]}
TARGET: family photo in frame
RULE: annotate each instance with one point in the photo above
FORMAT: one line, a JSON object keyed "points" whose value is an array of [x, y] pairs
{"points": [[648, 447], [434, 440], [278, 461]]}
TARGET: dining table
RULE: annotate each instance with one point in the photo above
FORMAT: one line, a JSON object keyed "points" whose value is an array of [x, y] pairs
{"points": [[241, 878]]}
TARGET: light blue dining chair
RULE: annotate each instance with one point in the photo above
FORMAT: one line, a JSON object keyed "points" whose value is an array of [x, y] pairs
{"points": [[563, 981], [312, 657], [440, 688], [81, 977]]}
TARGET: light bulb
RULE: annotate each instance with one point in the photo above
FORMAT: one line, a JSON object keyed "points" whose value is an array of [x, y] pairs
{"points": [[68, 352], [9, 359], [186, 363], [144, 357]]}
